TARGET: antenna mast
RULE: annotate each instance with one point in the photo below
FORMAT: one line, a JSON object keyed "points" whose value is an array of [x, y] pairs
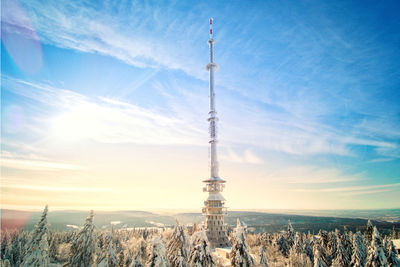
{"points": [[214, 209]]}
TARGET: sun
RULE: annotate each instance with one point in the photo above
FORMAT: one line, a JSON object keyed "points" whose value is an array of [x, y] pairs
{"points": [[76, 124]]}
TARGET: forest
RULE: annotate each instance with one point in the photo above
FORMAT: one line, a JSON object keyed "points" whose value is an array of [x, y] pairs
{"points": [[187, 245]]}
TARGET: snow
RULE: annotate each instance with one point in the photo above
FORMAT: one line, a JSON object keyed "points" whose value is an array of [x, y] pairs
{"points": [[73, 226]]}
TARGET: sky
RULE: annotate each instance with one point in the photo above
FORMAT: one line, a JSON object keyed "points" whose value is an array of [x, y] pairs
{"points": [[104, 104]]}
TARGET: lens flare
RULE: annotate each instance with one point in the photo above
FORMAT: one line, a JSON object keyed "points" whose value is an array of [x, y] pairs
{"points": [[20, 39], [14, 119], [13, 220]]}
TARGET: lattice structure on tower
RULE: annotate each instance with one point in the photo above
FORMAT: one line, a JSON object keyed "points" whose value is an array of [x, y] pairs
{"points": [[214, 209]]}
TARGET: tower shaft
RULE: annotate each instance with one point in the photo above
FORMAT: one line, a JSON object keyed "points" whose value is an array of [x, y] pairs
{"points": [[214, 209]]}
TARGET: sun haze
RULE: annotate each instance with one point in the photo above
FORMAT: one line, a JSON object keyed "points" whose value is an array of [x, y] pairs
{"points": [[105, 103]]}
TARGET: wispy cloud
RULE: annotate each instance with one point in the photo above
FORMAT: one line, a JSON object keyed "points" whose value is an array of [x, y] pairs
{"points": [[60, 23], [308, 174], [33, 162], [55, 188], [103, 119], [246, 157], [354, 189], [36, 165], [296, 128]]}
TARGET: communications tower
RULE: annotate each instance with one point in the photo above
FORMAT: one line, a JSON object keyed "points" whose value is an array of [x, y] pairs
{"points": [[214, 210]]}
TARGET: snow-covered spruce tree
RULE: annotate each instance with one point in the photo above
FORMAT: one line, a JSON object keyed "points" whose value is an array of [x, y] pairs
{"points": [[39, 257], [394, 234], [53, 248], [323, 239], [157, 254], [282, 244], [385, 246], [141, 250], [308, 249], [82, 251], [297, 246], [240, 255], [290, 235], [376, 255], [177, 247], [369, 232], [359, 252], [136, 263], [340, 259], [109, 256], [297, 257], [37, 248], [393, 257], [15, 249], [6, 263], [200, 254], [319, 255], [263, 256], [121, 258], [348, 247], [128, 259], [332, 244]]}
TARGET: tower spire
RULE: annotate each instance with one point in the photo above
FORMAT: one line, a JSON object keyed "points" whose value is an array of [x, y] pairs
{"points": [[214, 209], [211, 21]]}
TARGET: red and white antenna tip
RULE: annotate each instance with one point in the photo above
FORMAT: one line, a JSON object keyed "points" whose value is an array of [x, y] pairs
{"points": [[211, 21]]}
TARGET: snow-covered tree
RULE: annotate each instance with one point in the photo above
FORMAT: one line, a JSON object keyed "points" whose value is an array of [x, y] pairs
{"points": [[6, 263], [393, 257], [308, 249], [141, 250], [340, 259], [83, 247], [290, 234], [347, 248], [53, 248], [109, 256], [200, 254], [359, 252], [323, 239], [319, 255], [263, 256], [240, 255], [37, 249], [332, 244], [282, 244], [177, 247], [394, 234], [157, 254], [39, 256], [385, 246], [15, 249], [376, 255], [136, 262], [121, 258], [297, 247], [369, 232]]}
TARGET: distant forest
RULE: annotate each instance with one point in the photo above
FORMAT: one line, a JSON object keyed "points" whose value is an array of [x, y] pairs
{"points": [[184, 246]]}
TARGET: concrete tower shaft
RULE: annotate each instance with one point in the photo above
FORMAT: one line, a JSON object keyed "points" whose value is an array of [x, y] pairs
{"points": [[214, 209]]}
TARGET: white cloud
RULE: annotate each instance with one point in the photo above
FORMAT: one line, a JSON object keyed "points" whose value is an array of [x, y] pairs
{"points": [[295, 130], [362, 189], [307, 174], [247, 157], [105, 120], [60, 24], [56, 188], [36, 165]]}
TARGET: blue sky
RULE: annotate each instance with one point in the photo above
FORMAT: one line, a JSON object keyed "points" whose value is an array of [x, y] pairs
{"points": [[112, 97]]}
